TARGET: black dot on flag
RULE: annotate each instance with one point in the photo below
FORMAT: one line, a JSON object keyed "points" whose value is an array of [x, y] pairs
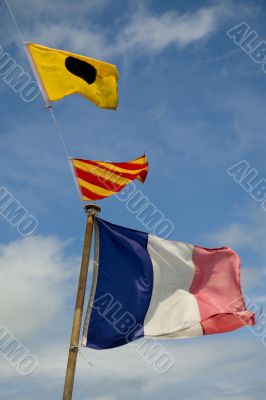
{"points": [[82, 69]]}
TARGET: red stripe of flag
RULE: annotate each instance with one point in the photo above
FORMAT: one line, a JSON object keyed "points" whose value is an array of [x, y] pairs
{"points": [[125, 165], [122, 174], [98, 181], [91, 195]]}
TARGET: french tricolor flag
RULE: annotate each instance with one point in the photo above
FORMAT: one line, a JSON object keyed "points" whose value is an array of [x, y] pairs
{"points": [[147, 286]]}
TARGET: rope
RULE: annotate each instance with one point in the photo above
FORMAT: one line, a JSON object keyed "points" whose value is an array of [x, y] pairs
{"points": [[84, 358], [15, 22], [77, 349], [59, 131], [49, 107]]}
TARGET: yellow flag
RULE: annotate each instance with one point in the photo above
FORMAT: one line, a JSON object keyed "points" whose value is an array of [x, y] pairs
{"points": [[61, 73]]}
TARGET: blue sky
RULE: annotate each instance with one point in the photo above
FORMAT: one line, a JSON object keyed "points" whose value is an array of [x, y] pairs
{"points": [[194, 101]]}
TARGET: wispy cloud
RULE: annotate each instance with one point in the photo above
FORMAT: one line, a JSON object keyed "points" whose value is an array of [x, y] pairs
{"points": [[246, 231], [124, 373], [154, 33], [145, 31]]}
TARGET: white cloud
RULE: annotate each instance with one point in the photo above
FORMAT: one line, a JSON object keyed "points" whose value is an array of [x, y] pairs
{"points": [[251, 277], [73, 27], [191, 356], [107, 397], [234, 235], [248, 234], [34, 284], [68, 37], [155, 32], [123, 372]]}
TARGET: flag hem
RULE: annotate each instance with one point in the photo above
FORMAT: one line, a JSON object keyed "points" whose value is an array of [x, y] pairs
{"points": [[36, 74], [93, 287]]}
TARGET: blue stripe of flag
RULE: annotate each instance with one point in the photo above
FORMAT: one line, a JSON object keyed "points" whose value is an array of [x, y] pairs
{"points": [[124, 287]]}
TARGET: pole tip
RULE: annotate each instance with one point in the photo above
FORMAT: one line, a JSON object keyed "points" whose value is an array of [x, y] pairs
{"points": [[92, 209]]}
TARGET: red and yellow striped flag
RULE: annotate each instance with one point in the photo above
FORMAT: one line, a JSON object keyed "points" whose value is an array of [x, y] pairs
{"points": [[98, 179]]}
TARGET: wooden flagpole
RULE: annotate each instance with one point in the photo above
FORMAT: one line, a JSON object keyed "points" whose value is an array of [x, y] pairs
{"points": [[91, 211]]}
